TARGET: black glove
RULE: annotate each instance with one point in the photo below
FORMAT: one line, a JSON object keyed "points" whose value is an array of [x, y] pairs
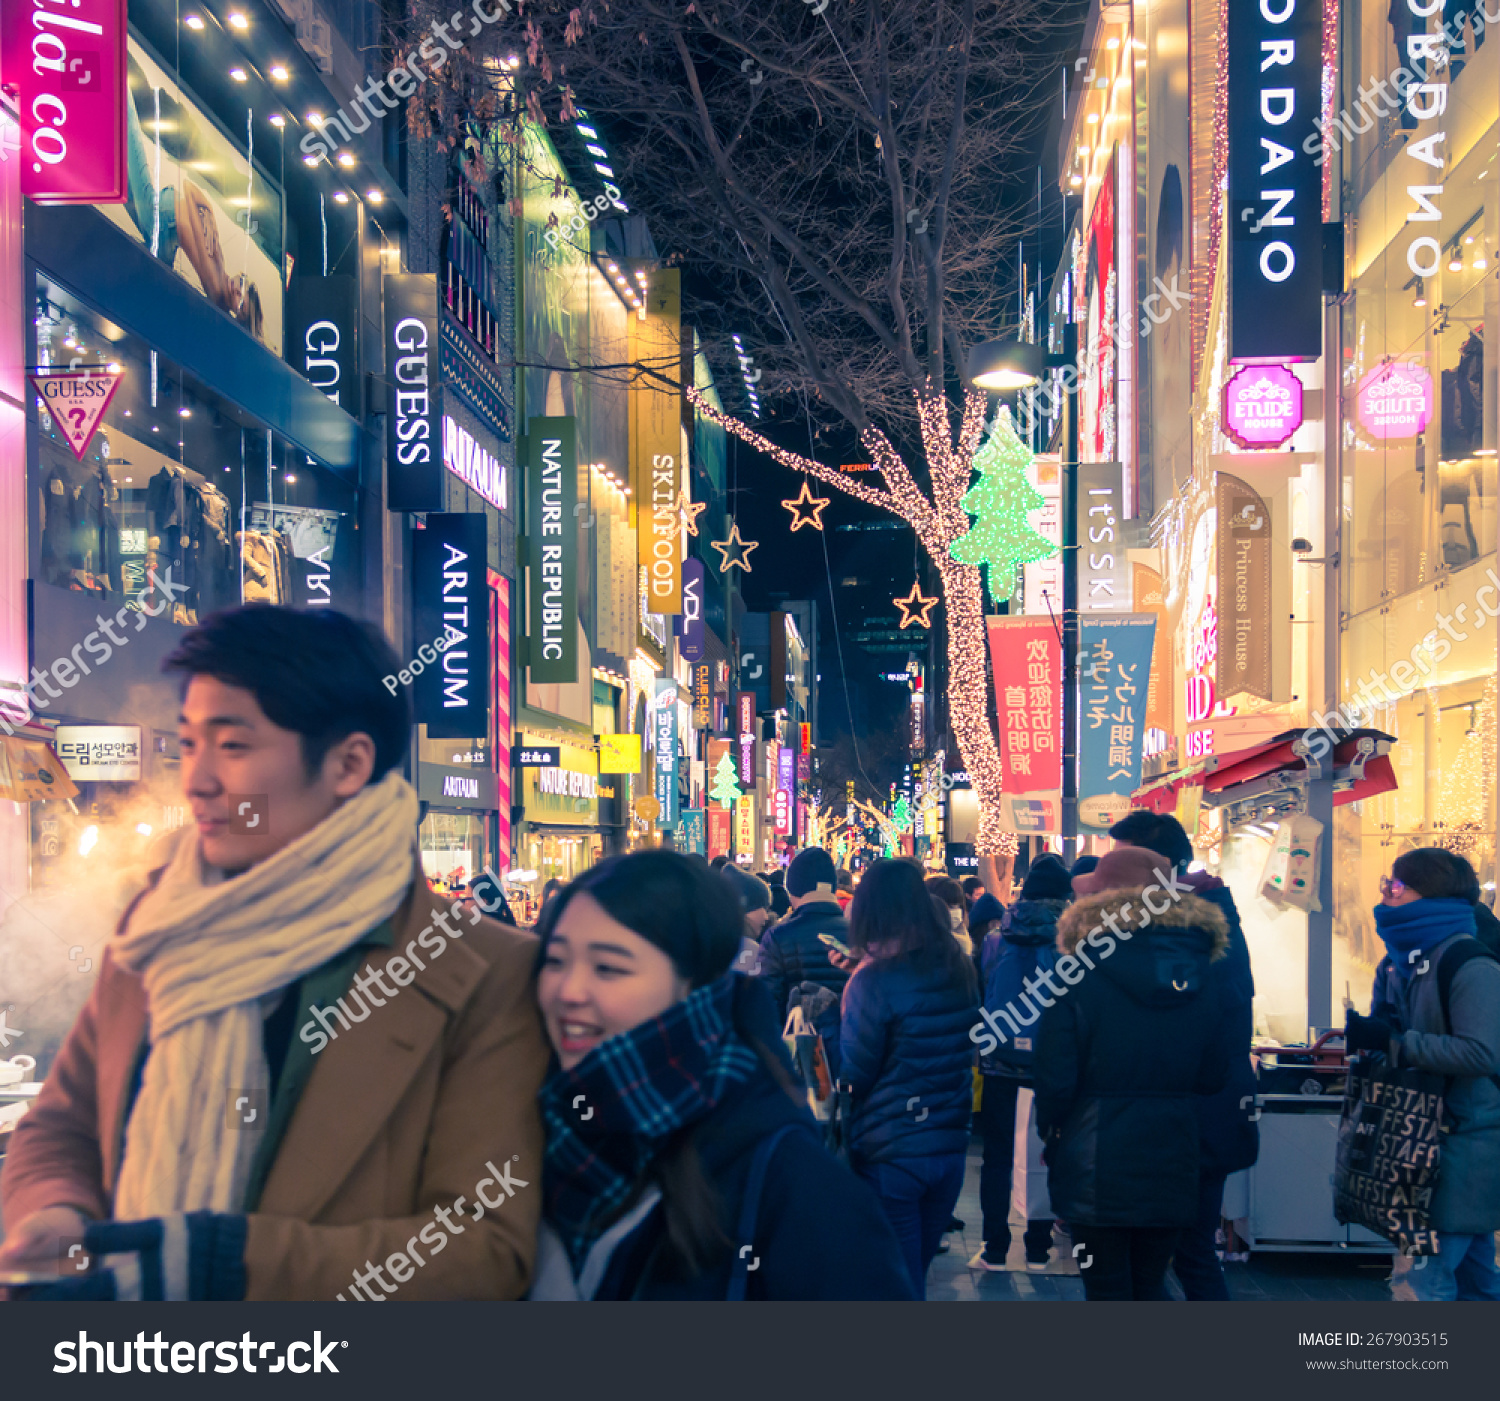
{"points": [[200, 1255], [1366, 1033]]}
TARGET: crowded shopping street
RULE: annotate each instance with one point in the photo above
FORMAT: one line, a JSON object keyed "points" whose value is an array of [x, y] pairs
{"points": [[832, 653]]}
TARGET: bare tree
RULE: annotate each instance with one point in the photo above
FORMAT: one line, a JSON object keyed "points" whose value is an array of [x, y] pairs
{"points": [[833, 175]]}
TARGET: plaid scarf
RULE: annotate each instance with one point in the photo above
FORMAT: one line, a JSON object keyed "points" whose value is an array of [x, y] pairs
{"points": [[637, 1088]]}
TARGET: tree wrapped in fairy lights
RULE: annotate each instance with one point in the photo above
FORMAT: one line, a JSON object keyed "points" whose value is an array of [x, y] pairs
{"points": [[835, 179]]}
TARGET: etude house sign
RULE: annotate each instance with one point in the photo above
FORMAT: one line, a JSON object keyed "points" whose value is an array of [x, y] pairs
{"points": [[552, 536], [1263, 405], [1394, 401]]}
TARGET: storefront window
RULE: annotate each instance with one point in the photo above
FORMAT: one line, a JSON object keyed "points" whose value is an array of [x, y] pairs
{"points": [[454, 846], [178, 478]]}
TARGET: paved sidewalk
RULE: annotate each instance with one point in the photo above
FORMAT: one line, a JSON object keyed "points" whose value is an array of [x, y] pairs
{"points": [[1265, 1276]]}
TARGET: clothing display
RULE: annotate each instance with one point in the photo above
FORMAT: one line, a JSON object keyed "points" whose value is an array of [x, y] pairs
{"points": [[81, 529], [265, 566]]}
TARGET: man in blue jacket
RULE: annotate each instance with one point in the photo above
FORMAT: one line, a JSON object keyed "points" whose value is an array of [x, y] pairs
{"points": [[791, 952]]}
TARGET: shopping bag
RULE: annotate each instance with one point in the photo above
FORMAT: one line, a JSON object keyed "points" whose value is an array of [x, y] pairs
{"points": [[805, 1047], [1028, 1189], [1389, 1153], [1290, 877]]}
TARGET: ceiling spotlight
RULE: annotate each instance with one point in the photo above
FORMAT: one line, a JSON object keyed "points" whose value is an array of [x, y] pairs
{"points": [[374, 196], [311, 160], [603, 169], [279, 72], [185, 413], [1076, 181], [339, 197], [611, 267], [238, 21], [345, 159], [276, 119], [1480, 263], [291, 479], [239, 75], [114, 367], [587, 131], [1456, 262], [596, 150], [193, 21], [1421, 297], [315, 119]]}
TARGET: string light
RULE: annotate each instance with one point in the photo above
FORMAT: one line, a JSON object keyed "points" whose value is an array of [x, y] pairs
{"points": [[915, 609], [726, 789], [937, 521], [690, 511], [734, 551], [806, 508], [1001, 538]]}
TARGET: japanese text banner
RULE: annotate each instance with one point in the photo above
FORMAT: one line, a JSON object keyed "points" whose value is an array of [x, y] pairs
{"points": [[1114, 672]]}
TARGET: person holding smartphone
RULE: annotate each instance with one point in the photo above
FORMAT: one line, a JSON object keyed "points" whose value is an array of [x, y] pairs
{"points": [[792, 951]]}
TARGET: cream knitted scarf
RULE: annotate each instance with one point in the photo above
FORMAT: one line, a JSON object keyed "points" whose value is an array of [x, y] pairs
{"points": [[208, 951]]}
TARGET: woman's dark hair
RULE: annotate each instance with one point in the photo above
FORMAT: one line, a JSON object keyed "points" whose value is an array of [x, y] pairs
{"points": [[1158, 832], [948, 890], [894, 915], [671, 901], [1437, 874], [1048, 879], [316, 672]]}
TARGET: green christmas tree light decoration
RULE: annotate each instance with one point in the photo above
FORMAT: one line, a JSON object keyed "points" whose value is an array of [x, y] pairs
{"points": [[726, 791], [901, 815], [1000, 538]]}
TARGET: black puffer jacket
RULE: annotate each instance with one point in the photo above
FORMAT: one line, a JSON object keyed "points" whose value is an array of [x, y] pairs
{"points": [[905, 1048], [792, 953], [1122, 1060]]}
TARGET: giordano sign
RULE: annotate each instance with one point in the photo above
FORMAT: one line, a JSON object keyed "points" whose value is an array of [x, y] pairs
{"points": [[566, 796]]}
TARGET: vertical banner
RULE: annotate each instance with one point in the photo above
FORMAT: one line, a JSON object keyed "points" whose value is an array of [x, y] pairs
{"points": [[1114, 672], [500, 760], [1042, 579], [1275, 176], [744, 712], [688, 626], [1026, 658], [720, 822], [552, 549], [414, 411], [664, 747], [1244, 590], [656, 442], [322, 336], [450, 590], [744, 826], [689, 836], [69, 66], [1103, 566], [1151, 597], [786, 789], [703, 696]]}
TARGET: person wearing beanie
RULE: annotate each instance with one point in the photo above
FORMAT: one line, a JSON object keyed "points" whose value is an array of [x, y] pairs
{"points": [[1085, 864], [1132, 1030], [791, 952]]}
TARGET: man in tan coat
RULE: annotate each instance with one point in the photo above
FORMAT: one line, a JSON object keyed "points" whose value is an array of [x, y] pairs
{"points": [[299, 1075]]}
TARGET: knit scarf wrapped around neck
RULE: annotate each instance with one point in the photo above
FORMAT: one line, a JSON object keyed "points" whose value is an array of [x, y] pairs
{"points": [[1412, 931], [636, 1090], [208, 950]]}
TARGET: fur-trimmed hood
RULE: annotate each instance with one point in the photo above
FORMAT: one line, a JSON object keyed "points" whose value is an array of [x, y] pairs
{"points": [[1131, 914]]}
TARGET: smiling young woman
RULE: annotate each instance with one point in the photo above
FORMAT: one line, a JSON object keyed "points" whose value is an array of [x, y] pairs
{"points": [[680, 1153]]}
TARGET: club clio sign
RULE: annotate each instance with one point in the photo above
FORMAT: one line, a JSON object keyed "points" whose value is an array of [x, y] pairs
{"points": [[1263, 405], [67, 64], [1394, 401]]}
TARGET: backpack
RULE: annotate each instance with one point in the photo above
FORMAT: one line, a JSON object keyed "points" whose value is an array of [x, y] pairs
{"points": [[1004, 986], [1462, 952]]}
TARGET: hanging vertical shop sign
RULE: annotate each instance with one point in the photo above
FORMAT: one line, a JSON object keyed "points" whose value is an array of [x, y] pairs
{"points": [[744, 826], [720, 825], [1103, 566], [552, 549], [688, 626], [786, 789], [664, 747], [322, 340], [1244, 590], [689, 835], [703, 696], [414, 412], [656, 443], [1026, 659], [500, 656], [69, 68], [1275, 50], [1114, 671], [1151, 597], [451, 593], [1042, 579], [744, 711]]}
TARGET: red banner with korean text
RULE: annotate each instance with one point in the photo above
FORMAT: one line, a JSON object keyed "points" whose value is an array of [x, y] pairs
{"points": [[1026, 660]]}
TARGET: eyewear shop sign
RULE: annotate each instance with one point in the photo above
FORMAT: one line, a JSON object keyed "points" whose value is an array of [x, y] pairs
{"points": [[448, 561], [1275, 181], [100, 753], [552, 538]]}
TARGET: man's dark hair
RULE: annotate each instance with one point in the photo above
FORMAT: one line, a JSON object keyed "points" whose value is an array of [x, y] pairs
{"points": [[315, 672], [971, 885], [1158, 832], [1048, 879], [1437, 874]]}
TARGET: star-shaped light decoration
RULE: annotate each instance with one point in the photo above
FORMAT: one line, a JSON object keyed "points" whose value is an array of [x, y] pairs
{"points": [[806, 508], [7, 1032], [915, 608], [735, 550], [690, 511]]}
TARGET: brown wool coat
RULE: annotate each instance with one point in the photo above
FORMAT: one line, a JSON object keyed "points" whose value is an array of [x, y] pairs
{"points": [[399, 1116]]}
